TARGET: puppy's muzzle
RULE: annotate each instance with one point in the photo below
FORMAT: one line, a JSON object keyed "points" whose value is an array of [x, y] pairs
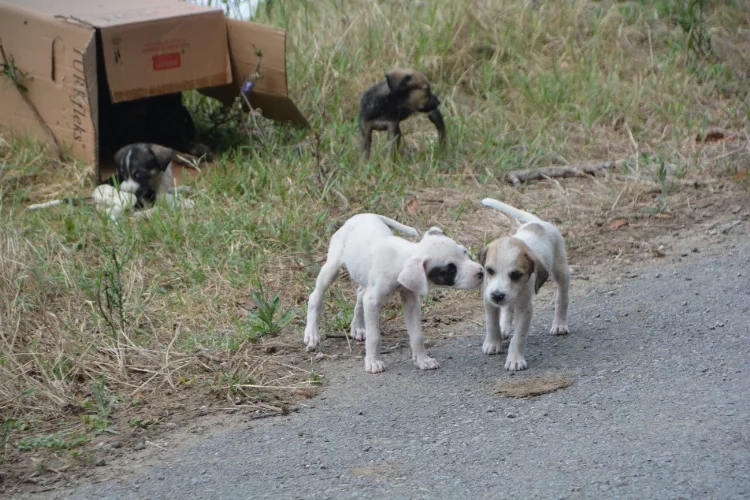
{"points": [[497, 297], [480, 274]]}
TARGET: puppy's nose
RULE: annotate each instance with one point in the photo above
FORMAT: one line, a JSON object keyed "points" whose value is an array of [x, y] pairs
{"points": [[480, 274], [497, 297]]}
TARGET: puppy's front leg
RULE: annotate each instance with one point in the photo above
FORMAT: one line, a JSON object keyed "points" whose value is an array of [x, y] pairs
{"points": [[371, 302], [560, 325], [437, 119], [358, 319], [515, 360], [506, 321], [394, 137], [413, 320], [493, 339]]}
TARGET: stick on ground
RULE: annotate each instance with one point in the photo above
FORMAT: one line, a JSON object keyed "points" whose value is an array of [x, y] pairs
{"points": [[519, 177]]}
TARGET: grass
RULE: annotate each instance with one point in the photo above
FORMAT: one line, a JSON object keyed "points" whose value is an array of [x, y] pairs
{"points": [[95, 314]]}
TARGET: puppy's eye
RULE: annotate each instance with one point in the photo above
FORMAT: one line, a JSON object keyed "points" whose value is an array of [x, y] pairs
{"points": [[490, 271], [515, 276]]}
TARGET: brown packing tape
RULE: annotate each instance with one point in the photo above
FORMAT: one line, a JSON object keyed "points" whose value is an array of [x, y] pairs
{"points": [[270, 92]]}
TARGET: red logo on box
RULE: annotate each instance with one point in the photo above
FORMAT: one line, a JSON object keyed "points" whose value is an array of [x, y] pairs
{"points": [[162, 62]]}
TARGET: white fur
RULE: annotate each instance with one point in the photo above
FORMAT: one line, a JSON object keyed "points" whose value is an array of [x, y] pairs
{"points": [[381, 263], [547, 247]]}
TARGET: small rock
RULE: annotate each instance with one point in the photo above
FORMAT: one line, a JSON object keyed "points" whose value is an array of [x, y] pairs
{"points": [[510, 415], [320, 356], [695, 250], [140, 446], [116, 444], [703, 369], [728, 227], [360, 413], [658, 275], [736, 209], [171, 425], [203, 411], [684, 303], [597, 315], [683, 255], [291, 361], [101, 462], [713, 232]]}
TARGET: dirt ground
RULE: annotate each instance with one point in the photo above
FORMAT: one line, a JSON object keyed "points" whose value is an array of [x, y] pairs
{"points": [[608, 223]]}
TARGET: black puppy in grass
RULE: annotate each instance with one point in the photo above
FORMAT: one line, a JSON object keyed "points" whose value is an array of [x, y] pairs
{"points": [[383, 106]]}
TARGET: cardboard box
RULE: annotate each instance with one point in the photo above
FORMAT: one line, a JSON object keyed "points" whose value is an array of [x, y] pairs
{"points": [[86, 56]]}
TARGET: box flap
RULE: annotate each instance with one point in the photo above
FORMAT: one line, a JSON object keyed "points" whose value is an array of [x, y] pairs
{"points": [[60, 60], [166, 55], [270, 92], [102, 14]]}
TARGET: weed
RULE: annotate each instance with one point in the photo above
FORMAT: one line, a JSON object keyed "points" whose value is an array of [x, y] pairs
{"points": [[263, 321]]}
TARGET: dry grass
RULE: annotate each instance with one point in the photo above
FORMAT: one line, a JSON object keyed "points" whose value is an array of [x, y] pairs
{"points": [[104, 323]]}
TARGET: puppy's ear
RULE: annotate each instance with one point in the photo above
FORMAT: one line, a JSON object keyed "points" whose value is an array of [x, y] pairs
{"points": [[413, 276], [120, 154], [163, 155], [482, 256], [541, 273], [397, 79]]}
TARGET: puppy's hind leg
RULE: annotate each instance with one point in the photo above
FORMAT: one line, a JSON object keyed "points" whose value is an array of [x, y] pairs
{"points": [[413, 320], [327, 275], [358, 320]]}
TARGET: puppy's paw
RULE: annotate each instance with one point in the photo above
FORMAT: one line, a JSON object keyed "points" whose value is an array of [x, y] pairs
{"points": [[312, 337], [515, 362], [427, 363], [491, 346], [358, 333], [374, 365], [561, 329]]}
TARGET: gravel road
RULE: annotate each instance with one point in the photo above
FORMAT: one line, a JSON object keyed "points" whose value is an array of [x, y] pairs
{"points": [[659, 408]]}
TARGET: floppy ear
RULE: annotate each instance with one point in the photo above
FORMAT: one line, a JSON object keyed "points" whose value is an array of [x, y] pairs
{"points": [[397, 79], [434, 231], [541, 275], [482, 256], [120, 155], [163, 155], [413, 276]]}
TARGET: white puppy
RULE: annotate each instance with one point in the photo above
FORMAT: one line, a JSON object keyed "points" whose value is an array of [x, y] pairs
{"points": [[515, 268], [381, 263]]}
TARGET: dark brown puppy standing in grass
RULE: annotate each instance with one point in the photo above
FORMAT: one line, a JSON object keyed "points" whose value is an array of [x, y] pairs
{"points": [[383, 106]]}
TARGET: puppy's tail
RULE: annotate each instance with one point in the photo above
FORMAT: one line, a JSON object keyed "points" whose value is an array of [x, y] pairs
{"points": [[516, 213], [70, 201], [407, 230]]}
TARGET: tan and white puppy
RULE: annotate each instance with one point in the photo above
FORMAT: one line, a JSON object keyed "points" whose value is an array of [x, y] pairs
{"points": [[515, 268], [381, 263]]}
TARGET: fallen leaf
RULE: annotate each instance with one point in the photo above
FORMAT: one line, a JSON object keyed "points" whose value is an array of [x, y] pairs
{"points": [[664, 215], [711, 136], [412, 206], [742, 174], [617, 223]]}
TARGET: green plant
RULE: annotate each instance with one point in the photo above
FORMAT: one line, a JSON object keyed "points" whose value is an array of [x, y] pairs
{"points": [[102, 401], [262, 320]]}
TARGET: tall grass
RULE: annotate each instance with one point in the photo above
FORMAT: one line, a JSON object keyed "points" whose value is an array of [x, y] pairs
{"points": [[132, 306]]}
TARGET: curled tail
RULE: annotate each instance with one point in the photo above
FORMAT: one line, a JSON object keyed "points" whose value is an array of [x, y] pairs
{"points": [[516, 213], [407, 230]]}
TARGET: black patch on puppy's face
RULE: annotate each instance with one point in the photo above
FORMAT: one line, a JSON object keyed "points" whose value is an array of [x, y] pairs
{"points": [[443, 275]]}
